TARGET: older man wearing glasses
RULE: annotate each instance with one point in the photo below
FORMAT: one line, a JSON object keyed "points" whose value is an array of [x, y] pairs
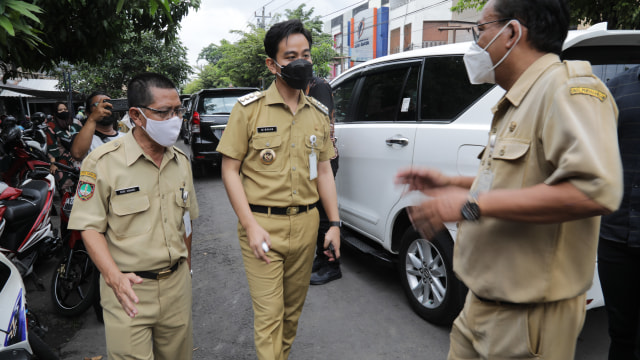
{"points": [[134, 203]]}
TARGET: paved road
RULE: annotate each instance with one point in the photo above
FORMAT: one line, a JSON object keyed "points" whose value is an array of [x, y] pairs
{"points": [[364, 315]]}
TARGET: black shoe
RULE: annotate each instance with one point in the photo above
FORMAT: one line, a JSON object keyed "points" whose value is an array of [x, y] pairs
{"points": [[318, 262], [325, 274]]}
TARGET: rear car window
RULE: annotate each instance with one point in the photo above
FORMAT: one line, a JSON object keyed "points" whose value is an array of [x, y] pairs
{"points": [[216, 105]]}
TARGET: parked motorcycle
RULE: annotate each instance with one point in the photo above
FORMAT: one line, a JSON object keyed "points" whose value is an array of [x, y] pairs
{"points": [[75, 283], [18, 327], [26, 156]]}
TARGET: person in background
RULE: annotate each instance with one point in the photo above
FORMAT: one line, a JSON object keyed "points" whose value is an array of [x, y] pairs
{"points": [[99, 127], [619, 246], [134, 204], [275, 167], [59, 132], [528, 233], [323, 270]]}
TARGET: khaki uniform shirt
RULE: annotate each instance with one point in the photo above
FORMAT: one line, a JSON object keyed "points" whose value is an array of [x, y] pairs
{"points": [[138, 206], [274, 146], [557, 123]]}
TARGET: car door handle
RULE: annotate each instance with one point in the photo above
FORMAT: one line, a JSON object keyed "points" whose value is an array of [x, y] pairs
{"points": [[397, 140]]}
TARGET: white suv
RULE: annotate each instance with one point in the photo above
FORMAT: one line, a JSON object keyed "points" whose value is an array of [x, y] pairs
{"points": [[418, 108]]}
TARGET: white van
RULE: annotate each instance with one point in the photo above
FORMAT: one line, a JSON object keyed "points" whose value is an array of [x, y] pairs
{"points": [[418, 108]]}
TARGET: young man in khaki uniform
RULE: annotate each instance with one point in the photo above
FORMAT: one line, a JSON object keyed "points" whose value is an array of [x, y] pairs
{"points": [[134, 204], [527, 249], [275, 167]]}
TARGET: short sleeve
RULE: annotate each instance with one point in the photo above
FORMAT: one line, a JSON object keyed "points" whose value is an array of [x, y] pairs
{"points": [[235, 139], [579, 138], [91, 201]]}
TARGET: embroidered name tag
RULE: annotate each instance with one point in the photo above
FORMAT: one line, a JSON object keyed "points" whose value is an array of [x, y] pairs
{"points": [[89, 174], [267, 129], [127, 190], [588, 91]]}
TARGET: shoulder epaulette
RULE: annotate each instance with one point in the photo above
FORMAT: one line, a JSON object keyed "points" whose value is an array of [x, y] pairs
{"points": [[318, 104], [249, 98], [179, 151], [106, 148]]}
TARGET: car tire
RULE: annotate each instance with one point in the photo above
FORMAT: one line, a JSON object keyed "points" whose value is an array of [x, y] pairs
{"points": [[197, 169], [426, 273]]}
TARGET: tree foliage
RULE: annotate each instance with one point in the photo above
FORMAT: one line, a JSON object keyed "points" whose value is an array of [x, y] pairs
{"points": [[243, 63], [618, 14], [46, 33], [139, 53]]}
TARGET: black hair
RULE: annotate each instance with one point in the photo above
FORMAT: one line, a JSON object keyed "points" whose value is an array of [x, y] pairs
{"points": [[88, 104], [547, 21], [138, 90], [283, 30]]}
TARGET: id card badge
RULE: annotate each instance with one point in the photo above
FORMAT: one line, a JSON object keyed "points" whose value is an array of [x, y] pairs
{"points": [[313, 165], [187, 223], [484, 181]]}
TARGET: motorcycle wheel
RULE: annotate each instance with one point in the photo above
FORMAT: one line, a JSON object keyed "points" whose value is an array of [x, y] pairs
{"points": [[74, 293], [41, 350]]}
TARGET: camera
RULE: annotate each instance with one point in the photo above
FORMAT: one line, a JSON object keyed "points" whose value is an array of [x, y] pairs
{"points": [[121, 105]]}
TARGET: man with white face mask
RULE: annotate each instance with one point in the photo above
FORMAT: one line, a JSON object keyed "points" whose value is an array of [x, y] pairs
{"points": [[134, 204], [529, 221]]}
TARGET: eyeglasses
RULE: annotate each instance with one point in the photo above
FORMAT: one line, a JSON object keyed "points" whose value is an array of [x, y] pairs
{"points": [[476, 31], [165, 114]]}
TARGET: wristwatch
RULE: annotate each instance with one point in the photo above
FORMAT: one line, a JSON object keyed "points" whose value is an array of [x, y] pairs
{"points": [[335, 223], [471, 210]]}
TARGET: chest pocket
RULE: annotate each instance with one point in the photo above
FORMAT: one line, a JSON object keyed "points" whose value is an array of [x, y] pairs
{"points": [[267, 153], [319, 145], [509, 157], [132, 214]]}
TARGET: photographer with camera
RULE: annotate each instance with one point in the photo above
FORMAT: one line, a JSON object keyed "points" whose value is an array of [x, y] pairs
{"points": [[99, 127]]}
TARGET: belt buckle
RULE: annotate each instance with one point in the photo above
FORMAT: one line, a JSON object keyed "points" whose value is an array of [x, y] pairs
{"points": [[292, 210], [164, 274]]}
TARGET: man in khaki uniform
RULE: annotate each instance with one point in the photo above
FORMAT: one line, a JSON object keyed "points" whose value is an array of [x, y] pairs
{"points": [[134, 204], [527, 249], [276, 151]]}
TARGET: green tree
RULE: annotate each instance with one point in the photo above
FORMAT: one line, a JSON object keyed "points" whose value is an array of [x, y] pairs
{"points": [[37, 35], [139, 53], [243, 62], [617, 14]]}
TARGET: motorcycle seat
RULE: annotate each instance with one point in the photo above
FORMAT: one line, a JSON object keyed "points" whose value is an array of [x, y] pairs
{"points": [[29, 205]]}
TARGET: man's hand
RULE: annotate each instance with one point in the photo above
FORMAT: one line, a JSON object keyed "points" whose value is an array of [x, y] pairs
{"points": [[256, 236], [332, 237], [422, 179], [443, 206], [101, 109], [122, 287]]}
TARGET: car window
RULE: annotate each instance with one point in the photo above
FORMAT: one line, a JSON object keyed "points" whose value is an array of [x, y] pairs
{"points": [[446, 90], [409, 106], [606, 71], [380, 96], [217, 105], [341, 99]]}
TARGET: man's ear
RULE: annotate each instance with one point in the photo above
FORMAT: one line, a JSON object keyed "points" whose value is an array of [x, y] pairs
{"points": [[135, 116], [271, 65]]}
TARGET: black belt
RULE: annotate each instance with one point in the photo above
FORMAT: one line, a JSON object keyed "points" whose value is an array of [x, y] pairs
{"points": [[291, 210], [498, 302], [158, 275]]}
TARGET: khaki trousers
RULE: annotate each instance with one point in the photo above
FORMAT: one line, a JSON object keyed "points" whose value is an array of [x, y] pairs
{"points": [[162, 330], [546, 331], [279, 289]]}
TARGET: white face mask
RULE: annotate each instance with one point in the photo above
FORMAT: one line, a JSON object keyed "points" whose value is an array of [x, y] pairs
{"points": [[164, 132], [478, 62]]}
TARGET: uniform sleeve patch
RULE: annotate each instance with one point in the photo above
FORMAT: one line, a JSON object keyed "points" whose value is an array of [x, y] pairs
{"points": [[89, 174], [588, 91], [85, 190]]}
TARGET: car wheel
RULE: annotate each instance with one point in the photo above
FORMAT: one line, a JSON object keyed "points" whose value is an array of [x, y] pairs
{"points": [[427, 277], [197, 169]]}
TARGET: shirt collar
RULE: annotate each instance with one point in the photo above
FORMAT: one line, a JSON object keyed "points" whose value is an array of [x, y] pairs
{"points": [[272, 96], [133, 151], [524, 83]]}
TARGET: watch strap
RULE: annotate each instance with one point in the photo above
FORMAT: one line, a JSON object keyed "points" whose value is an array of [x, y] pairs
{"points": [[335, 223]]}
